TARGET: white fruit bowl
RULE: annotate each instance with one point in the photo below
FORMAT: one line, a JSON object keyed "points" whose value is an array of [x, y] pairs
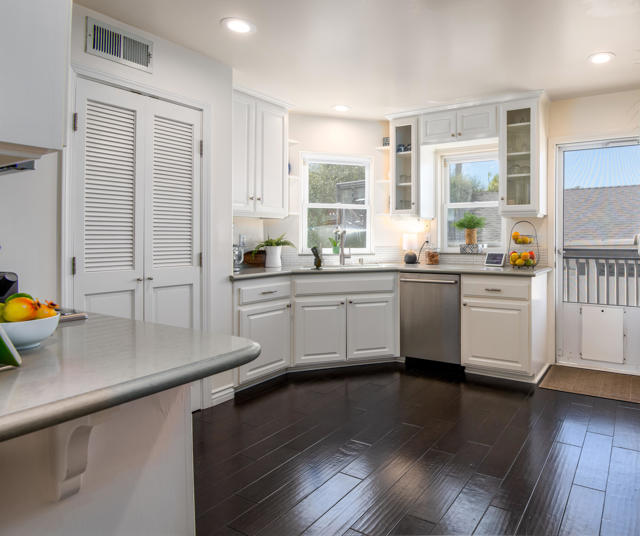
{"points": [[31, 333]]}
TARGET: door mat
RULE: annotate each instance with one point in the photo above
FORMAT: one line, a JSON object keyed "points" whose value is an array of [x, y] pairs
{"points": [[625, 387]]}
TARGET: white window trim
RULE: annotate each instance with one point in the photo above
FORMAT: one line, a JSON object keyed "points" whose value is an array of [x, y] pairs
{"points": [[328, 158], [466, 155]]}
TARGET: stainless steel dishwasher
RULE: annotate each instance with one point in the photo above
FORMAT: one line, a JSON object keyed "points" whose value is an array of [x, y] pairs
{"points": [[430, 316]]}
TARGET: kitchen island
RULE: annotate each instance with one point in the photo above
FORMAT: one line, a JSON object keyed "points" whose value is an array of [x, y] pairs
{"points": [[95, 427]]}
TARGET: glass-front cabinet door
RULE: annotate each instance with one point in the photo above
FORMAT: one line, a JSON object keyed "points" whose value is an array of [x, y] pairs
{"points": [[404, 165], [522, 191]]}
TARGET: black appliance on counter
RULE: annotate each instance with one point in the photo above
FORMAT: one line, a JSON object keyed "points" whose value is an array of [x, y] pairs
{"points": [[8, 284]]}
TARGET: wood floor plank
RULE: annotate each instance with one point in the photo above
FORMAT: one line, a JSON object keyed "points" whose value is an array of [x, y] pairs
{"points": [[387, 510], [380, 451], [220, 515], [339, 518], [504, 452], [583, 513], [543, 514], [497, 522], [303, 514], [621, 512], [299, 484], [603, 416], [412, 526], [593, 468], [627, 428], [434, 502], [574, 426], [466, 511]]}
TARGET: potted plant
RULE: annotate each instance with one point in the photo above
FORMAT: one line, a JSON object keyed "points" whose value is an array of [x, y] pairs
{"points": [[470, 223], [335, 245], [273, 249]]}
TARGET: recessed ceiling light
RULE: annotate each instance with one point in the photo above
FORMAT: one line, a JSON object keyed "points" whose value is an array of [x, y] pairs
{"points": [[238, 25], [601, 57], [341, 108]]}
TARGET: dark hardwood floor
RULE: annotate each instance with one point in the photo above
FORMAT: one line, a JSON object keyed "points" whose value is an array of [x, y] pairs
{"points": [[416, 452]]}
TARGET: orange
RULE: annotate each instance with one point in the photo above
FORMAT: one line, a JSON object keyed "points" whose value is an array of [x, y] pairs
{"points": [[525, 256], [515, 235]]}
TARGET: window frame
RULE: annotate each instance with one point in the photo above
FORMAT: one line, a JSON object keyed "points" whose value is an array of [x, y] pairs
{"points": [[331, 158], [445, 159]]}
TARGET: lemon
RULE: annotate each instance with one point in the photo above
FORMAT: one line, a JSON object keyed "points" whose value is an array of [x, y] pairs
{"points": [[520, 262]]}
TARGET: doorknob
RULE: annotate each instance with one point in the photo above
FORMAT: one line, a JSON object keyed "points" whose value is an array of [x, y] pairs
{"points": [[150, 278], [139, 279]]}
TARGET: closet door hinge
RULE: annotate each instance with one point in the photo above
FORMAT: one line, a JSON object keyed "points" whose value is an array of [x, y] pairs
{"points": [[201, 147], [75, 121], [73, 266], [200, 259]]}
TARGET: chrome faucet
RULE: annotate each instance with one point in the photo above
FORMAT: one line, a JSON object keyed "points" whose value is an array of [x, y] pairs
{"points": [[342, 234]]}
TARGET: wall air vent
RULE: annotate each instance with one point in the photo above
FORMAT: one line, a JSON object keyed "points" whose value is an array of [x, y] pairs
{"points": [[118, 45]]}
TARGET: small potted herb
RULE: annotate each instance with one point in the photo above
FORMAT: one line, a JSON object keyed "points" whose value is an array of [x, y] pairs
{"points": [[470, 223], [273, 249]]}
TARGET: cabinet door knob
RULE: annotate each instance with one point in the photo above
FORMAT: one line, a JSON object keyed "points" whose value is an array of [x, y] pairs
{"points": [[453, 134], [258, 198], [150, 278], [502, 199], [139, 278], [251, 198], [350, 301], [464, 304], [341, 303], [288, 306], [459, 133]]}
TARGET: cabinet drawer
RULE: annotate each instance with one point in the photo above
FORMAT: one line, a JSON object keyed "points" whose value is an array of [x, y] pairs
{"points": [[264, 292], [496, 286], [314, 284]]}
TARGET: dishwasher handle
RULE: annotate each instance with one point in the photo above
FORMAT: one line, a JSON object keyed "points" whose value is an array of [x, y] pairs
{"points": [[437, 281]]}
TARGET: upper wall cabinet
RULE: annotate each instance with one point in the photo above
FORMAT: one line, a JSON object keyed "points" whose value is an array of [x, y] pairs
{"points": [[34, 54], [404, 166], [523, 144], [259, 158], [475, 122]]}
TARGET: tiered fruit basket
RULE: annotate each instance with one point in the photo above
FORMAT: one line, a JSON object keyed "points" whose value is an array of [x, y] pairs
{"points": [[524, 250]]}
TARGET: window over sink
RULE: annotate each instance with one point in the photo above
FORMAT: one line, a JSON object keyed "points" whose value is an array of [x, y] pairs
{"points": [[469, 183], [335, 192]]}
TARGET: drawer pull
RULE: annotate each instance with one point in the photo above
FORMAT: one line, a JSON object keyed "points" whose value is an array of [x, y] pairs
{"points": [[268, 292], [437, 281], [493, 289]]}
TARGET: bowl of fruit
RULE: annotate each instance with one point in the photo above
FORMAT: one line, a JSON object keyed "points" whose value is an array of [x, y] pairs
{"points": [[523, 259], [26, 321]]}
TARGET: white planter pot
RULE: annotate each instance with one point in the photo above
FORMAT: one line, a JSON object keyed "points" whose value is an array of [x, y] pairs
{"points": [[273, 259]]}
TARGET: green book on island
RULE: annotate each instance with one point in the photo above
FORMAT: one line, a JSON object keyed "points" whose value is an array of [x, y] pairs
{"points": [[8, 353]]}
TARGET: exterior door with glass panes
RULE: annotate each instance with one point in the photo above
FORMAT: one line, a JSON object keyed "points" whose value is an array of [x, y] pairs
{"points": [[519, 173], [404, 166]]}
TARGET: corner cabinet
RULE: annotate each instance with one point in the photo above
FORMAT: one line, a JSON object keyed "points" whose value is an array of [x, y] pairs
{"points": [[404, 166], [523, 158], [34, 54], [259, 158]]}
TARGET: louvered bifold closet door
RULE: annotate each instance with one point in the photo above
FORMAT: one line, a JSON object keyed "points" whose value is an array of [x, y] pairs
{"points": [[108, 167], [172, 215]]}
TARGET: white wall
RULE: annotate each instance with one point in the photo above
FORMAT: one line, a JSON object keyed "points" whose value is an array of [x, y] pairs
{"points": [[29, 227]]}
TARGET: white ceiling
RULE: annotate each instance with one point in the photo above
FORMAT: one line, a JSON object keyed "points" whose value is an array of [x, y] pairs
{"points": [[385, 56]]}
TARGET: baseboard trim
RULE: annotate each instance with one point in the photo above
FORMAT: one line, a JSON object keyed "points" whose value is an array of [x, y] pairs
{"points": [[507, 376], [222, 394]]}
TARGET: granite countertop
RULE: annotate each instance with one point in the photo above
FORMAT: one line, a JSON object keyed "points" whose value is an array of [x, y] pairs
{"points": [[479, 269], [91, 365]]}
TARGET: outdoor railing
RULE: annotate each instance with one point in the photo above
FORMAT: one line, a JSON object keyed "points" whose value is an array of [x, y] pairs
{"points": [[603, 277]]}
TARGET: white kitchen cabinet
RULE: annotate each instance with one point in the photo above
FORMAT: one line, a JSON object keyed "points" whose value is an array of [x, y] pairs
{"points": [[320, 333], [34, 54], [243, 153], [259, 158], [522, 154], [504, 325], [370, 326], [270, 326], [474, 122], [404, 166], [495, 333], [438, 127]]}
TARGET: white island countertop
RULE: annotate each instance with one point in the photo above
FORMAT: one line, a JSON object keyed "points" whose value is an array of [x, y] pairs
{"points": [[479, 269], [91, 365]]}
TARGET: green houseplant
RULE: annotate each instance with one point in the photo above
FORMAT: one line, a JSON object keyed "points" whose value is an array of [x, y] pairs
{"points": [[273, 249], [335, 245], [470, 223]]}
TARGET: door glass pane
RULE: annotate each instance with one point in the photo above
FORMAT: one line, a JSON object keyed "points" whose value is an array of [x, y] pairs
{"points": [[337, 183], [601, 196], [518, 157], [490, 234], [321, 223], [404, 157], [473, 181]]}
